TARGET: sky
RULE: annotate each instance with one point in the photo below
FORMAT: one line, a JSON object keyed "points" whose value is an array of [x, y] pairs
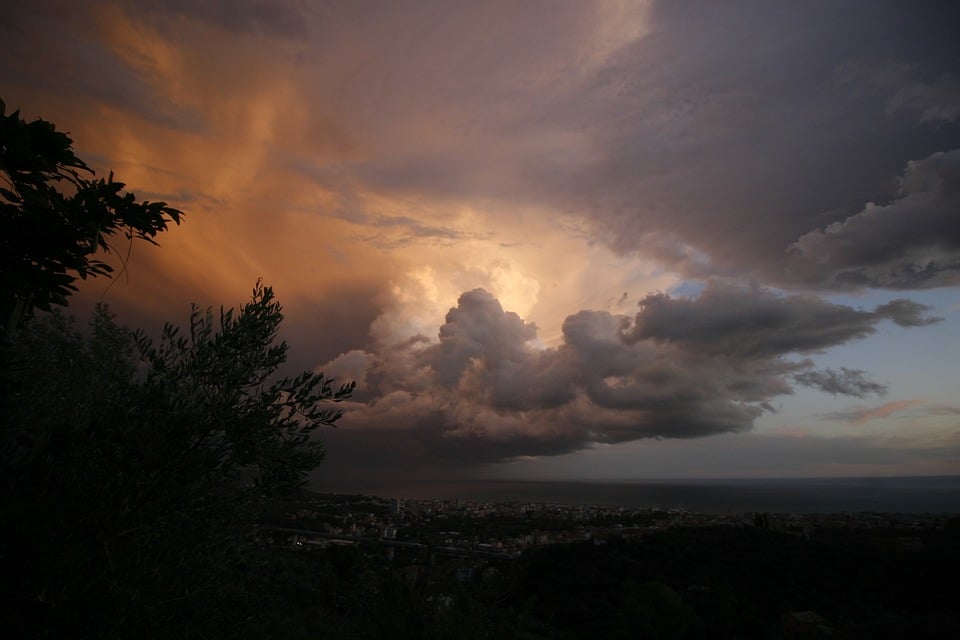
{"points": [[578, 240]]}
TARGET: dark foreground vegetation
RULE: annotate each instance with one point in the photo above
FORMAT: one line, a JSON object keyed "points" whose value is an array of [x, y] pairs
{"points": [[718, 582], [132, 470], [681, 583]]}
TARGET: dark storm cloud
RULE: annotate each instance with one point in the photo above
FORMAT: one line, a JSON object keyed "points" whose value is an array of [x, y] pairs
{"points": [[751, 322], [681, 368], [764, 454], [720, 139], [324, 326], [478, 328], [733, 132], [728, 139], [912, 242]]}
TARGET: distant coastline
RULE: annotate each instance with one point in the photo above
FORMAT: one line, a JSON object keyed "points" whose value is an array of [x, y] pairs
{"points": [[915, 494]]}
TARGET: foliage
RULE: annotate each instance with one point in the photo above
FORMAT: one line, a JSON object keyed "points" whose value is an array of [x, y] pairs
{"points": [[217, 378], [133, 473], [53, 219]]}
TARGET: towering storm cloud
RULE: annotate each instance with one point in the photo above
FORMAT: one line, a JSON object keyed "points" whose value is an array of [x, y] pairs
{"points": [[678, 368]]}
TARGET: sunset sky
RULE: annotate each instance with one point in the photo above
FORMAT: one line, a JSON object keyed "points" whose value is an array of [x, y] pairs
{"points": [[560, 239]]}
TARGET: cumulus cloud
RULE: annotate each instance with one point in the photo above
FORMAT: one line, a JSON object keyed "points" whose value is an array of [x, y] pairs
{"points": [[911, 242], [478, 328], [486, 390], [752, 322]]}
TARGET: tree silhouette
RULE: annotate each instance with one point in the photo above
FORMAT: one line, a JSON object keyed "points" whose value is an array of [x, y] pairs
{"points": [[54, 220], [132, 474]]}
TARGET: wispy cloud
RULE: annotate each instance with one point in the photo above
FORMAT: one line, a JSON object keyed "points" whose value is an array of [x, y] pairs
{"points": [[943, 410], [849, 382], [865, 414]]}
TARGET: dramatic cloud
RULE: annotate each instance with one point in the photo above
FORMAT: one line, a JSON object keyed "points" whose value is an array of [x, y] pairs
{"points": [[759, 104], [373, 161], [910, 243], [726, 319], [681, 368]]}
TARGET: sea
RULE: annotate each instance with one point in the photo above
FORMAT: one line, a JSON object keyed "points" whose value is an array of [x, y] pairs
{"points": [[926, 494]]}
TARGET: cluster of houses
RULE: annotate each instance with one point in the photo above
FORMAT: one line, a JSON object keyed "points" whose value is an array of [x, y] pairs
{"points": [[393, 523]]}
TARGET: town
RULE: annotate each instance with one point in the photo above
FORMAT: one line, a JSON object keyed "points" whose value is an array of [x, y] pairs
{"points": [[505, 530], [546, 568]]}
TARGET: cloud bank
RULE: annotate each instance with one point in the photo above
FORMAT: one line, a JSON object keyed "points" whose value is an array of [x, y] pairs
{"points": [[484, 391]]}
